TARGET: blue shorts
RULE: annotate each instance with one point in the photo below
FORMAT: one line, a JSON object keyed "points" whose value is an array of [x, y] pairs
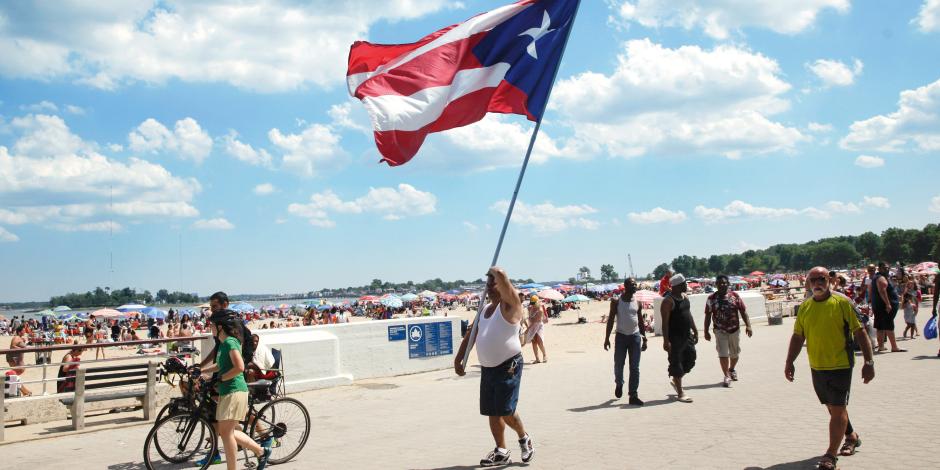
{"points": [[499, 387]]}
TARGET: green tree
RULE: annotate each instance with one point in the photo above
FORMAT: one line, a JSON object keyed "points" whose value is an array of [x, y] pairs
{"points": [[660, 271], [608, 274], [868, 245], [895, 246], [716, 264], [735, 264]]}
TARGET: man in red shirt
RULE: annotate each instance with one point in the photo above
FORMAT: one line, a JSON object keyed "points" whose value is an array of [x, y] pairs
{"points": [[664, 285], [724, 309]]}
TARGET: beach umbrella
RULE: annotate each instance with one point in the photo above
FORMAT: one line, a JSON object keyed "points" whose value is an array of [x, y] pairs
{"points": [[551, 294], [427, 294], [130, 308], [187, 311], [108, 313], [532, 285], [576, 298], [645, 296], [155, 313], [61, 308], [409, 297], [368, 298], [324, 307], [757, 273], [779, 283], [393, 302], [46, 313]]}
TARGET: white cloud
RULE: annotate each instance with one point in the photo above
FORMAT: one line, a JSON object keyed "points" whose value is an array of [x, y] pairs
{"points": [[934, 204], [218, 223], [267, 45], [915, 125], [89, 227], [307, 153], [72, 109], [350, 116], [819, 128], [6, 236], [680, 101], [470, 226], [869, 161], [187, 139], [547, 217], [656, 216], [839, 207], [115, 147], [389, 203], [835, 73], [718, 18], [738, 209], [928, 20], [876, 201], [246, 152], [51, 176], [264, 189], [40, 107]]}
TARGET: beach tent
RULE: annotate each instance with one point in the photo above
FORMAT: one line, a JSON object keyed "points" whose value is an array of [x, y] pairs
{"points": [[61, 308], [576, 298]]}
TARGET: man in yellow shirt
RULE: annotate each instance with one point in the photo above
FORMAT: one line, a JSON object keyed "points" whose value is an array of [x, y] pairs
{"points": [[827, 323]]}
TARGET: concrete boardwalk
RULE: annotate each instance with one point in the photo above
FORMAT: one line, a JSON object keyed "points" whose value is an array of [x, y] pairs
{"points": [[430, 420]]}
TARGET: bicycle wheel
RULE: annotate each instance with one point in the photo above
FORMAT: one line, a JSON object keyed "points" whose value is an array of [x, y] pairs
{"points": [[287, 421], [176, 440]]}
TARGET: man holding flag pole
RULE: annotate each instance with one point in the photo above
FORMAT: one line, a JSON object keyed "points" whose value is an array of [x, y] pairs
{"points": [[500, 61]]}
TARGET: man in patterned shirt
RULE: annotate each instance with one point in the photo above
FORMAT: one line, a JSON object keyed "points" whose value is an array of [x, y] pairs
{"points": [[725, 309]]}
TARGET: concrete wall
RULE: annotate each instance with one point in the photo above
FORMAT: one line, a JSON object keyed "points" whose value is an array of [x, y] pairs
{"points": [[329, 355], [753, 300]]}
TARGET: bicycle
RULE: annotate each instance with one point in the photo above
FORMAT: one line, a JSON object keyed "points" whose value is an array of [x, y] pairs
{"points": [[185, 432]]}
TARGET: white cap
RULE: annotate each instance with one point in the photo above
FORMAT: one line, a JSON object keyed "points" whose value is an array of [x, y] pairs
{"points": [[676, 280]]}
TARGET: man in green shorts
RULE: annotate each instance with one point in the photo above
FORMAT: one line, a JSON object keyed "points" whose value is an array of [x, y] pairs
{"points": [[827, 323]]}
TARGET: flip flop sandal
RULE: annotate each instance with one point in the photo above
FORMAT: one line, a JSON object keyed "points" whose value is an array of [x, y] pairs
{"points": [[849, 447], [685, 399], [828, 462]]}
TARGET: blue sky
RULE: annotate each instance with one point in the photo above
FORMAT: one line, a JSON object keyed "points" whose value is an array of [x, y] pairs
{"points": [[218, 143]]}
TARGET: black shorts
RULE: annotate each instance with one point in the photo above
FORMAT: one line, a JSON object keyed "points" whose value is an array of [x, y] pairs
{"points": [[499, 387], [681, 356], [833, 386], [884, 319]]}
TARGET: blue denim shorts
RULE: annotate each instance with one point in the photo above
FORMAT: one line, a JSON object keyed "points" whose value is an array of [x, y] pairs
{"points": [[499, 387]]}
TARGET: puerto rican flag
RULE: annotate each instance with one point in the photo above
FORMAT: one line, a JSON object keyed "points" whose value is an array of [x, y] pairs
{"points": [[502, 61]]}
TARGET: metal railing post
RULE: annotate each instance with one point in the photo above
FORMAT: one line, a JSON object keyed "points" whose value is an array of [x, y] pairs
{"points": [[78, 405]]}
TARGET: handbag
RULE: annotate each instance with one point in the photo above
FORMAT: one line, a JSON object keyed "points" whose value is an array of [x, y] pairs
{"points": [[930, 329]]}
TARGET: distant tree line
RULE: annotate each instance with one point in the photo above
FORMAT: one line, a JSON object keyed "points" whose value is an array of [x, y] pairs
{"points": [[893, 245], [378, 286], [102, 298]]}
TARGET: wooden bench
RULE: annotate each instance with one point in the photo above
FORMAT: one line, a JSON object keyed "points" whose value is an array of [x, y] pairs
{"points": [[110, 377]]}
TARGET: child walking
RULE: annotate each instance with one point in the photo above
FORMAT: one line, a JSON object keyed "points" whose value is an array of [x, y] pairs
{"points": [[910, 314]]}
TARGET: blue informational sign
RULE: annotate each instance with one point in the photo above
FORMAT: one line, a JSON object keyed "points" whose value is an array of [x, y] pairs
{"points": [[396, 333], [430, 339]]}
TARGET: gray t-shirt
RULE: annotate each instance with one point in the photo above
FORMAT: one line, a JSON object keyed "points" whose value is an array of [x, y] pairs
{"points": [[627, 318]]}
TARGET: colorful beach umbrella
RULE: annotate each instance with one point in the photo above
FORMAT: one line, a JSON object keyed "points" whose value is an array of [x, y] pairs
{"points": [[550, 294], [62, 308], [108, 313], [576, 298]]}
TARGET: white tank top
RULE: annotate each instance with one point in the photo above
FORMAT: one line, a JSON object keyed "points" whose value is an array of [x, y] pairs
{"points": [[627, 318], [497, 339]]}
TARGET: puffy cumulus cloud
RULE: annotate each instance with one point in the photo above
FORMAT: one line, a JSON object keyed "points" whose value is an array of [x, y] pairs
{"points": [[680, 101], [90, 227], [264, 189], [742, 210], [548, 218], [6, 236], [876, 201], [388, 203], [350, 115], [934, 204], [267, 45], [496, 141], [657, 215], [218, 223], [72, 109], [834, 72], [718, 18], [40, 107], [869, 161], [187, 139], [928, 19], [245, 152], [819, 128], [51, 176], [308, 152], [915, 125]]}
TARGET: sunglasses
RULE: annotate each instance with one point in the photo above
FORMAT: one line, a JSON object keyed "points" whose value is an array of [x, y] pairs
{"points": [[816, 279]]}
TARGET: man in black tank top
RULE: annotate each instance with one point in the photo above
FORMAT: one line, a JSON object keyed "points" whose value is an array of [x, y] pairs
{"points": [[679, 334]]}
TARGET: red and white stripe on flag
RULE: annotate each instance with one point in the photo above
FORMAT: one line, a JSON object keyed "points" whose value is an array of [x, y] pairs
{"points": [[432, 85]]}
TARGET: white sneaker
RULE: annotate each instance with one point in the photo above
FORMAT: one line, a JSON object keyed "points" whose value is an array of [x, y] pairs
{"points": [[495, 458], [528, 450], [727, 382]]}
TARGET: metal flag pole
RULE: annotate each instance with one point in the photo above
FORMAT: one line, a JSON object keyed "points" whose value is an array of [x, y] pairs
{"points": [[515, 193]]}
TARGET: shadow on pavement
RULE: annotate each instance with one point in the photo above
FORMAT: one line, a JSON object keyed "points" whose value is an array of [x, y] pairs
{"points": [[802, 464], [127, 466], [921, 358], [703, 386], [470, 467], [622, 405]]}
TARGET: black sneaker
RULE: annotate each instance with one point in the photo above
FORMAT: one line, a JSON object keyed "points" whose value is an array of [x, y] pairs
{"points": [[528, 450], [618, 392], [495, 458], [635, 400]]}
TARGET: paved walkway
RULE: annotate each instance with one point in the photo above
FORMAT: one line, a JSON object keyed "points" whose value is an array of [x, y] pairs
{"points": [[430, 420]]}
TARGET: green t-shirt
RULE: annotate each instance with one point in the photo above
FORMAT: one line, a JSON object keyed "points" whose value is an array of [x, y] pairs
{"points": [[823, 325], [224, 360]]}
